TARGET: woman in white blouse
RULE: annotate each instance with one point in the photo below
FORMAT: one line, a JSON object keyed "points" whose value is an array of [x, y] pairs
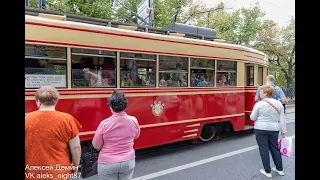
{"points": [[269, 118]]}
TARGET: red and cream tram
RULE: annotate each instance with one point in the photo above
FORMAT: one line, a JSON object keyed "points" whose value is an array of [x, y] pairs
{"points": [[179, 87]]}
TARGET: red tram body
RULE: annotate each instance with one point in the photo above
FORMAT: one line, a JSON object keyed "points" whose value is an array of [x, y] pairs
{"points": [[165, 115]]}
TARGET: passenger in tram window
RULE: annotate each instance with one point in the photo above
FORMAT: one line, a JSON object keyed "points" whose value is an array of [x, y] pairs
{"points": [[178, 76], [88, 63], [163, 82], [126, 80], [31, 66], [202, 81], [194, 80], [46, 67], [222, 81], [108, 70], [95, 80], [132, 70], [166, 80]]}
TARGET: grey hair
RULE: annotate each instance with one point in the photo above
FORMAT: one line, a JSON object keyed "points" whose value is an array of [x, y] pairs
{"points": [[270, 78]]}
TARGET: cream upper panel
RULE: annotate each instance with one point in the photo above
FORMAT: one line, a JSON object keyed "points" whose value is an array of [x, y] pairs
{"points": [[74, 34]]}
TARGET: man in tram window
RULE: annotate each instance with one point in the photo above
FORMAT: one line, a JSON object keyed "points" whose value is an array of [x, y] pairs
{"points": [[46, 67], [132, 70], [178, 77], [278, 92], [31, 66]]}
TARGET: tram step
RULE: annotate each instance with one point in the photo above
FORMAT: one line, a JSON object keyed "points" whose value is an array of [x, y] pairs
{"points": [[248, 127]]}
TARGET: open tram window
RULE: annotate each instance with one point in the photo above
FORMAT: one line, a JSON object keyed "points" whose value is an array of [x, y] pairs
{"points": [[137, 70], [45, 65], [202, 72], [173, 71], [93, 68], [226, 73]]}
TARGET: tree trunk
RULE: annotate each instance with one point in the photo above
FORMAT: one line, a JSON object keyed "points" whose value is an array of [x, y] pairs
{"points": [[289, 77]]}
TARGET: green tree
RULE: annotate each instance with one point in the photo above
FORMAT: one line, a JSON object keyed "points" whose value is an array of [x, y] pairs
{"points": [[279, 45], [250, 25], [223, 22], [127, 11], [91, 8]]}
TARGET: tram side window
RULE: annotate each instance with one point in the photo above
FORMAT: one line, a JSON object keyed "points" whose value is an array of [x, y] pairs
{"points": [[93, 68], [202, 72], [45, 65], [173, 71], [226, 73], [250, 75], [137, 70]]}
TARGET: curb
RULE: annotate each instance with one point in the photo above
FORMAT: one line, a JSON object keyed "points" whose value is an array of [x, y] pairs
{"points": [[290, 105]]}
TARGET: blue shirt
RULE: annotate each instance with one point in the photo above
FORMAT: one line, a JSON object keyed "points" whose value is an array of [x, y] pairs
{"points": [[278, 93]]}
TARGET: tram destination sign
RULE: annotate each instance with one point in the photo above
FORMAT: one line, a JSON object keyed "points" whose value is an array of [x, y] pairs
{"points": [[38, 80]]}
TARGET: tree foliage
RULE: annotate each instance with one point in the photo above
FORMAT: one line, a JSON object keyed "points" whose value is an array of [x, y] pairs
{"points": [[245, 26]]}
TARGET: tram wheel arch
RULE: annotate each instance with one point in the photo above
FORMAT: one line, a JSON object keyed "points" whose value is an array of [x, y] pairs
{"points": [[211, 130]]}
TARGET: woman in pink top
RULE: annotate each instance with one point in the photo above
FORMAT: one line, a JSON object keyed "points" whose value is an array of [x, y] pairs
{"points": [[114, 138]]}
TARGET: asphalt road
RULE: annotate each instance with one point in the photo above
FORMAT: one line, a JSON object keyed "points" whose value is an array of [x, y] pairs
{"points": [[231, 158]]}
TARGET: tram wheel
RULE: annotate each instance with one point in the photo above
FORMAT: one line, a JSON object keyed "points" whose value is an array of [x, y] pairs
{"points": [[208, 132], [228, 128]]}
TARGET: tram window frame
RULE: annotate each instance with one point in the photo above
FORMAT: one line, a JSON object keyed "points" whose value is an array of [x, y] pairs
{"points": [[95, 55], [185, 70], [137, 58], [44, 52], [250, 71], [229, 73], [260, 68], [196, 66]]}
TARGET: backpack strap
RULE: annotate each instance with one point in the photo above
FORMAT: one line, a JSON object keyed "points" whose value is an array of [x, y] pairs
{"points": [[272, 105]]}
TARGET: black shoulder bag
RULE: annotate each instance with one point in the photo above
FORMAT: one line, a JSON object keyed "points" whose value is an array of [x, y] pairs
{"points": [[89, 163]]}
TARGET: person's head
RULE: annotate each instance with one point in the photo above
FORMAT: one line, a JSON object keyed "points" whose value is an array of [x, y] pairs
{"points": [[107, 61], [46, 96], [86, 73], [267, 91], [118, 101], [193, 80], [43, 62], [88, 63], [178, 66], [270, 79]]}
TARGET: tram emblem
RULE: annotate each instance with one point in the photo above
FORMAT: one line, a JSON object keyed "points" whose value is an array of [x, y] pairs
{"points": [[157, 108]]}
